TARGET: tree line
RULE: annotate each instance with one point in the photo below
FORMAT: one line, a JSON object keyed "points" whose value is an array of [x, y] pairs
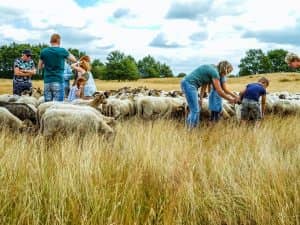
{"points": [[120, 66], [257, 62]]}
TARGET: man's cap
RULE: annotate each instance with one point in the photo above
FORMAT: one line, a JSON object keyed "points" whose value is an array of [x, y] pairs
{"points": [[27, 52]]}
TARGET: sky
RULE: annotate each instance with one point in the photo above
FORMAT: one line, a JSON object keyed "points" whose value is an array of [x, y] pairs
{"points": [[181, 33]]}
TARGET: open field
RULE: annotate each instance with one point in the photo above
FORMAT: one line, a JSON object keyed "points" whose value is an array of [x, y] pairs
{"points": [[279, 82], [156, 172]]}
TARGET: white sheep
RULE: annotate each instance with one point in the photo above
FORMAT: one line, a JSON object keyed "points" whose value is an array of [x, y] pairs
{"points": [[41, 109], [153, 107], [28, 100], [59, 120], [283, 106], [118, 108], [7, 119], [67, 106], [9, 98]]}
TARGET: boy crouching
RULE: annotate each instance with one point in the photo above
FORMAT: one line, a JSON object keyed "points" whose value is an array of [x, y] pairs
{"points": [[250, 109]]}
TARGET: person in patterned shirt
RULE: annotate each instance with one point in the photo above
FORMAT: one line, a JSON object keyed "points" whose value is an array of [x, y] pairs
{"points": [[24, 69]]}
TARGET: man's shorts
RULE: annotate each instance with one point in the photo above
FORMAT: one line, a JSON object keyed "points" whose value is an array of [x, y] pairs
{"points": [[250, 110], [20, 86]]}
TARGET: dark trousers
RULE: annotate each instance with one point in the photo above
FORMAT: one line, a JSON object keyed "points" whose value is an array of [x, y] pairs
{"points": [[215, 116], [20, 86]]}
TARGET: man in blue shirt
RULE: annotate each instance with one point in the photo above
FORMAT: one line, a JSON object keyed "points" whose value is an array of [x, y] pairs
{"points": [[52, 60], [24, 69], [250, 100]]}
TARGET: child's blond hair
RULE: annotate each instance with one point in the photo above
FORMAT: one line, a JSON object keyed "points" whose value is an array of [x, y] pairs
{"points": [[264, 80]]}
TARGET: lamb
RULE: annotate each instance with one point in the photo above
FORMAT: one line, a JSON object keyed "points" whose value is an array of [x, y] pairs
{"points": [[118, 108], [21, 110], [7, 119], [152, 107], [287, 107], [65, 121], [108, 120], [43, 107]]}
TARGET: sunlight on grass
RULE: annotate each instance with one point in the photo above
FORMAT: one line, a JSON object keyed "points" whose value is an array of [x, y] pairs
{"points": [[154, 172]]}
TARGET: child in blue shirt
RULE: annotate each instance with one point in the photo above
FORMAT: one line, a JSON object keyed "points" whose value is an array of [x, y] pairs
{"points": [[250, 100], [215, 102], [77, 91]]}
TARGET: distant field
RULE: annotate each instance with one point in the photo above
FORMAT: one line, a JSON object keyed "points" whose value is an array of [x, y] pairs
{"points": [[279, 82]]}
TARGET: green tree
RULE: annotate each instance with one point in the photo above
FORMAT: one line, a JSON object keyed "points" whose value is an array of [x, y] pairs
{"points": [[181, 75], [98, 69], [148, 67], [276, 58], [121, 67], [165, 70], [77, 53], [8, 54], [255, 62]]}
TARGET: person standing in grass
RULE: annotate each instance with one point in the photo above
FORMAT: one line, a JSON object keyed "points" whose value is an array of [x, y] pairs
{"points": [[215, 103], [83, 69], [201, 77], [24, 69], [251, 109], [293, 60], [52, 60]]}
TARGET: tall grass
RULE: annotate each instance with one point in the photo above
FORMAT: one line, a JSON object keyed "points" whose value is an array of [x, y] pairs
{"points": [[154, 173]]}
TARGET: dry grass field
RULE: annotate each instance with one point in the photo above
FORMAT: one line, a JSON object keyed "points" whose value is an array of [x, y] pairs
{"points": [[156, 172], [279, 82]]}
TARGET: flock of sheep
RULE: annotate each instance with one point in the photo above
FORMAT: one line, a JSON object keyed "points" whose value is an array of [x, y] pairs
{"points": [[99, 114]]}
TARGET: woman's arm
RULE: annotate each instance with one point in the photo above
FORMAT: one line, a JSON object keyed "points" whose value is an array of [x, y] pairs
{"points": [[72, 58], [217, 85], [227, 91], [76, 67]]}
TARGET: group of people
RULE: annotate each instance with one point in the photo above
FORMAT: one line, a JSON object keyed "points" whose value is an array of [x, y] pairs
{"points": [[54, 62], [214, 77], [57, 65]]}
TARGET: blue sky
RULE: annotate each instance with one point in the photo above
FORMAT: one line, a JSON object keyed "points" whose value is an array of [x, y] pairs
{"points": [[86, 3], [182, 33]]}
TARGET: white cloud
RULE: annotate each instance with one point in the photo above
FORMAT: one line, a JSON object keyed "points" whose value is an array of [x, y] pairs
{"points": [[214, 34]]}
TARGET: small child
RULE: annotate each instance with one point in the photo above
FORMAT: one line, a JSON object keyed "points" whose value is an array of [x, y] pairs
{"points": [[250, 109], [77, 90], [215, 104]]}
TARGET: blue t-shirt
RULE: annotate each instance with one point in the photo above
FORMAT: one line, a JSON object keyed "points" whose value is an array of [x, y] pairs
{"points": [[54, 63], [72, 94], [202, 75], [215, 100], [254, 91]]}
